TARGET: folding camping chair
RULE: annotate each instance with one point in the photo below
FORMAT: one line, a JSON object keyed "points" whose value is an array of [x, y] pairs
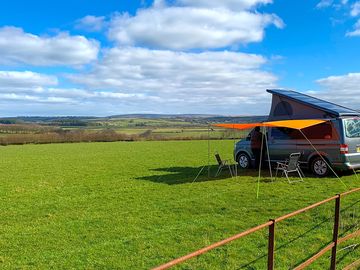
{"points": [[289, 166], [223, 164]]}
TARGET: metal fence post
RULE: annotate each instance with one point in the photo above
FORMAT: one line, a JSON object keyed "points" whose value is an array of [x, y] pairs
{"points": [[271, 245], [335, 232]]}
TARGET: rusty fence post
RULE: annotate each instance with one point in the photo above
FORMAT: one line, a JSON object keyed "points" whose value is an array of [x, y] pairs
{"points": [[271, 245], [335, 232]]}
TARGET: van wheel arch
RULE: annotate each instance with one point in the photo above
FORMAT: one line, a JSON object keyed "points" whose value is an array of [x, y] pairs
{"points": [[246, 155], [317, 159]]}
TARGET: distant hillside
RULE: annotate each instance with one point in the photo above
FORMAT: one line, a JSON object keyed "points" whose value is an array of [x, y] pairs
{"points": [[237, 119], [80, 120], [163, 116]]}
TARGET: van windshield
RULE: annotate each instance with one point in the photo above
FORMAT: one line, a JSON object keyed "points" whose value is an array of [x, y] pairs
{"points": [[352, 128]]}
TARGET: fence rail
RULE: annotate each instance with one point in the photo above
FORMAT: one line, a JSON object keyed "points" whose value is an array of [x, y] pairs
{"points": [[271, 225]]}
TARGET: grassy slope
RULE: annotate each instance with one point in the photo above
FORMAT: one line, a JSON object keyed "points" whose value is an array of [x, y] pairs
{"points": [[132, 206]]}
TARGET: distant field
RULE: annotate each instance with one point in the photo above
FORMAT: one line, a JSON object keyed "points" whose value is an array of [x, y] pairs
{"points": [[113, 129], [131, 205], [188, 133]]}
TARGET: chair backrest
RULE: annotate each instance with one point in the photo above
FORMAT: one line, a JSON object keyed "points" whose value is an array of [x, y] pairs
{"points": [[293, 161], [218, 159]]}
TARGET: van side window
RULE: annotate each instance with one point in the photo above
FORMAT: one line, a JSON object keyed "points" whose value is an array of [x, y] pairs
{"points": [[352, 128], [284, 134], [320, 132]]}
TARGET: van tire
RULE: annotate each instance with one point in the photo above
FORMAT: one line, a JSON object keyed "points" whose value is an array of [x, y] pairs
{"points": [[244, 161], [319, 167]]}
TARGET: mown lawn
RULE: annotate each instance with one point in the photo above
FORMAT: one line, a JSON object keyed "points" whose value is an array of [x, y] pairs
{"points": [[131, 205]]}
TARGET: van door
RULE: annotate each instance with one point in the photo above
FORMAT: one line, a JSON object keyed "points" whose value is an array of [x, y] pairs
{"points": [[282, 142]]}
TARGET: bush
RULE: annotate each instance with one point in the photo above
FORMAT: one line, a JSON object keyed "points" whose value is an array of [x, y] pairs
{"points": [[66, 136]]}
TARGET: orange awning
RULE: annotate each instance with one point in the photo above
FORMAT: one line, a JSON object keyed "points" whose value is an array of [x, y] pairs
{"points": [[295, 124]]}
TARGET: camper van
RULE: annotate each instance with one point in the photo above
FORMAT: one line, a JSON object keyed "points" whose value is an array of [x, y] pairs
{"points": [[335, 142]]}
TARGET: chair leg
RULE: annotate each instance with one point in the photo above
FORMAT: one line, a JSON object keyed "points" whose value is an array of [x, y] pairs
{"points": [[302, 173], [218, 171], [277, 169], [299, 172], [231, 172], [287, 177]]}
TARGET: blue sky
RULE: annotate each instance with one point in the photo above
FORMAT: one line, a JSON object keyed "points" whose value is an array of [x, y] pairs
{"points": [[178, 56]]}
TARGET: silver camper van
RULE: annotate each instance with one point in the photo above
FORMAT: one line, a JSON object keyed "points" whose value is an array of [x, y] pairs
{"points": [[337, 140]]}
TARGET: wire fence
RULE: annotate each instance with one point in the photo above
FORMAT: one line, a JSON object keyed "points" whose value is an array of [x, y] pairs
{"points": [[350, 228]]}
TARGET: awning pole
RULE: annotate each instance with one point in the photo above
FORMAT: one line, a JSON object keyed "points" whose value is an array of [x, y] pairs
{"points": [[208, 145], [262, 145]]}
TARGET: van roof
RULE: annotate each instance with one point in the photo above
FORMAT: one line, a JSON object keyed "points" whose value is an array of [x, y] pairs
{"points": [[329, 107]]}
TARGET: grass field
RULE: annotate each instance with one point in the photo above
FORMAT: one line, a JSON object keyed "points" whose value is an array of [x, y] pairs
{"points": [[131, 205]]}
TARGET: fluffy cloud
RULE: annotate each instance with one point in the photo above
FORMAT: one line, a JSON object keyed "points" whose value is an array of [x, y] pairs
{"points": [[337, 4], [355, 12], [355, 9], [324, 4], [193, 24], [352, 10], [91, 23], [228, 4], [190, 82], [18, 47], [356, 31], [28, 86], [33, 98], [34, 88], [342, 89], [25, 79], [152, 68]]}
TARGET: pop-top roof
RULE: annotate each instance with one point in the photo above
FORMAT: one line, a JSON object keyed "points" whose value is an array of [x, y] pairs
{"points": [[331, 108]]}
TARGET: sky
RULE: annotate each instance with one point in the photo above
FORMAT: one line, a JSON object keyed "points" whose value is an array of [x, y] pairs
{"points": [[99, 58]]}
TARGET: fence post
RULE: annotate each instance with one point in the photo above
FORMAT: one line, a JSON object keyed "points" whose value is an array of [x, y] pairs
{"points": [[271, 245], [335, 232]]}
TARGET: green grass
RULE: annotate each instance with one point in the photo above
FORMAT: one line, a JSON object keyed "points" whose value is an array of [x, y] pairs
{"points": [[145, 122], [133, 206]]}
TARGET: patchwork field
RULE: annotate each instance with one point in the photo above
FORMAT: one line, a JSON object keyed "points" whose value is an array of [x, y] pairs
{"points": [[132, 205]]}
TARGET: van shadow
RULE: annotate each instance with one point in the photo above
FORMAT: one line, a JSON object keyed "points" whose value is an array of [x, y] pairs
{"points": [[183, 175]]}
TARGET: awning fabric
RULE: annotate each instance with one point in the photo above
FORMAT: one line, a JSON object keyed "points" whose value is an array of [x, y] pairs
{"points": [[295, 124]]}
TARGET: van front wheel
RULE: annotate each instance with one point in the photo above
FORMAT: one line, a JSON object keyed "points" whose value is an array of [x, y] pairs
{"points": [[244, 161], [319, 167]]}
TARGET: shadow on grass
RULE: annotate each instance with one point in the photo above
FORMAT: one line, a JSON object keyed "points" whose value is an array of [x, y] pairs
{"points": [[183, 175]]}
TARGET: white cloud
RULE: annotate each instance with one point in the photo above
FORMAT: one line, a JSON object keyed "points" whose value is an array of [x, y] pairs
{"points": [[352, 10], [355, 9], [342, 89], [25, 79], [33, 98], [18, 47], [91, 23], [32, 87], [86, 95], [356, 31], [195, 24], [162, 78], [168, 81], [227, 4], [324, 4]]}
